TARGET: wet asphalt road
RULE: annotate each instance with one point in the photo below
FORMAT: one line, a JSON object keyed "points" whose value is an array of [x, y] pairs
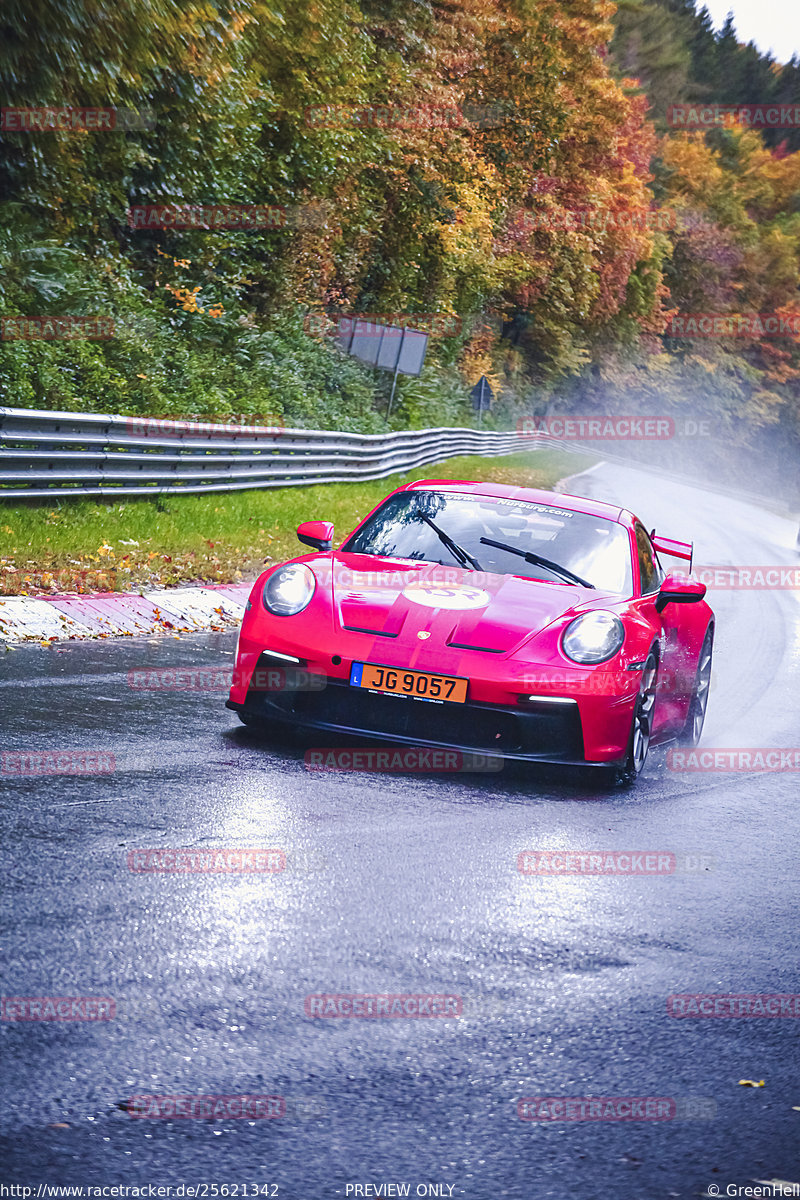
{"points": [[402, 884]]}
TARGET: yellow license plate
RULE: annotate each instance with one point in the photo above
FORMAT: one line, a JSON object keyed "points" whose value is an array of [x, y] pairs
{"points": [[420, 684]]}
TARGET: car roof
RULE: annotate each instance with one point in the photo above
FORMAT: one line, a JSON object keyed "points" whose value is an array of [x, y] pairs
{"points": [[593, 508]]}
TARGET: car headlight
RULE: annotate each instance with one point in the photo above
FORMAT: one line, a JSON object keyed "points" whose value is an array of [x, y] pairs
{"points": [[288, 590], [593, 637]]}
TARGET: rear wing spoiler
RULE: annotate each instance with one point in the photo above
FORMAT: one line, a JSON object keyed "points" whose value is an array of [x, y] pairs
{"points": [[674, 549]]}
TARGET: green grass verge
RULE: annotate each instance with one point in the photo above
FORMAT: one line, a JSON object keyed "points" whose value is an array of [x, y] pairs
{"points": [[87, 546]]}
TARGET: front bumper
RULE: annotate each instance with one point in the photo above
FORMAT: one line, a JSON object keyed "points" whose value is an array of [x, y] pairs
{"points": [[548, 732]]}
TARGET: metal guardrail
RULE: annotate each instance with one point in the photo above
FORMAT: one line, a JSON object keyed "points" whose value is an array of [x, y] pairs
{"points": [[56, 455]]}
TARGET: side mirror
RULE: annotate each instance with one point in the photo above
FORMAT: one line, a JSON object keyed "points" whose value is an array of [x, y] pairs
{"points": [[318, 534], [679, 589]]}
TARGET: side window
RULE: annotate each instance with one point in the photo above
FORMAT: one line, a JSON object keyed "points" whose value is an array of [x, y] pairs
{"points": [[649, 570]]}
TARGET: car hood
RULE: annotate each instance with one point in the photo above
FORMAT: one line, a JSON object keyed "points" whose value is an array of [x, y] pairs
{"points": [[471, 610]]}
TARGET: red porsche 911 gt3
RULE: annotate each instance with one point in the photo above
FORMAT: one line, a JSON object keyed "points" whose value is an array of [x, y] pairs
{"points": [[483, 618]]}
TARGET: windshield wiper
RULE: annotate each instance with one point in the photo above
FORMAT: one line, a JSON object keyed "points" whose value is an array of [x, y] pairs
{"points": [[458, 552], [536, 560]]}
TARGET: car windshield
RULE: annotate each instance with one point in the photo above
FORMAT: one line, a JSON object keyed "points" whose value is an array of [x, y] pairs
{"points": [[411, 525]]}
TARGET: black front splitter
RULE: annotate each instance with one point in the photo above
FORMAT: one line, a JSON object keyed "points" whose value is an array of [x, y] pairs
{"points": [[253, 718]]}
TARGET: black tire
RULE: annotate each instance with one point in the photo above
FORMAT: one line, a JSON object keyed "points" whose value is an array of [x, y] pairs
{"points": [[642, 724], [693, 729]]}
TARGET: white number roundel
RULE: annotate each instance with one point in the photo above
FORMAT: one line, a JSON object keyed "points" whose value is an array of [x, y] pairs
{"points": [[447, 596]]}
